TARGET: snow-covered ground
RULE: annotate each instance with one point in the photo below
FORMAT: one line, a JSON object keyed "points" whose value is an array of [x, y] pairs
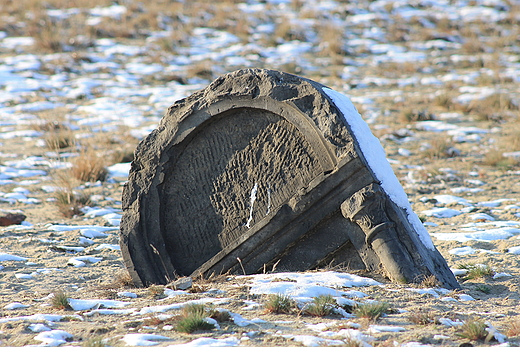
{"points": [[444, 61]]}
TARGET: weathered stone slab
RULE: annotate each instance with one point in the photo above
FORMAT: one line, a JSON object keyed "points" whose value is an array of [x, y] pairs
{"points": [[10, 218], [264, 169]]}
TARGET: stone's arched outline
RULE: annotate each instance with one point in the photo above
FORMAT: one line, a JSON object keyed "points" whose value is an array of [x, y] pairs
{"points": [[178, 150]]}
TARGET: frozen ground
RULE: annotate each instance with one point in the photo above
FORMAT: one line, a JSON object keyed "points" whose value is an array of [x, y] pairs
{"points": [[437, 81]]}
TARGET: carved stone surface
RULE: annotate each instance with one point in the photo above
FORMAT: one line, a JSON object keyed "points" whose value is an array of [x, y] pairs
{"points": [[260, 170], [367, 208]]}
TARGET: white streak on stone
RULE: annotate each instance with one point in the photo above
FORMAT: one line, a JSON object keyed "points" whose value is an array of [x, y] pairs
{"points": [[253, 199], [268, 199]]}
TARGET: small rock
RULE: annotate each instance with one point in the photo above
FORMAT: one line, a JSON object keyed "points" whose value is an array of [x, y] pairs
{"points": [[7, 219], [182, 283]]}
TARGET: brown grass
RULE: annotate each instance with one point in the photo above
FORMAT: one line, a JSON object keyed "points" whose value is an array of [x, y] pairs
{"points": [[117, 148], [331, 40], [156, 291], [398, 70], [120, 280], [473, 330], [371, 311], [438, 149], [203, 69], [89, 166], [279, 303], [444, 101], [513, 327], [70, 203], [48, 123], [409, 115], [60, 301], [57, 135], [54, 34], [212, 278], [422, 317], [509, 141], [495, 157], [474, 45], [67, 200], [59, 139], [512, 135], [429, 282], [288, 31], [494, 107]]}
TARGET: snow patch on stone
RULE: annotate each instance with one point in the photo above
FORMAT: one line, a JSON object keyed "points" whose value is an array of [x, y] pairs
{"points": [[376, 159]]}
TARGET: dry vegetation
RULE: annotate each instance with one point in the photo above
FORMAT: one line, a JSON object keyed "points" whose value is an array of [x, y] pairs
{"points": [[474, 55]]}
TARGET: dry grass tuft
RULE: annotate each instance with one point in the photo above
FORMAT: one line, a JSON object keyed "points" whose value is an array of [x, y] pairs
{"points": [[501, 156], [68, 201], [332, 40], [422, 318], [371, 311], [444, 101], [439, 148], [193, 318], [430, 282], [59, 139], [287, 30], [46, 124], [321, 306], [409, 115], [124, 279], [474, 45], [494, 107], [513, 328], [495, 157], [60, 301], [510, 138], [57, 134], [204, 280], [89, 167], [154, 321], [202, 70], [156, 291], [476, 271], [279, 303], [120, 280], [58, 35], [473, 330]]}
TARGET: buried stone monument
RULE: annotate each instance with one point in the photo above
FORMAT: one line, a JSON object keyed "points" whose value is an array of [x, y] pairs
{"points": [[265, 169]]}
